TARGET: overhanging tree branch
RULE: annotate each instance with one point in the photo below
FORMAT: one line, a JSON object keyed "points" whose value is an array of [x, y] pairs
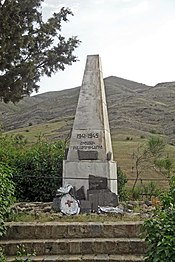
{"points": [[30, 47]]}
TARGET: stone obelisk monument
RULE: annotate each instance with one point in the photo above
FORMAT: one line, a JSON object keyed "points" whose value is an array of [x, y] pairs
{"points": [[90, 150]]}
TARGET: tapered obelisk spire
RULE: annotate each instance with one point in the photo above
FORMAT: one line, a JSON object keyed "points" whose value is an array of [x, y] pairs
{"points": [[91, 126], [90, 149]]}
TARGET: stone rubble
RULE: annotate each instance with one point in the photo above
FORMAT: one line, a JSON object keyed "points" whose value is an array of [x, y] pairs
{"points": [[130, 208]]}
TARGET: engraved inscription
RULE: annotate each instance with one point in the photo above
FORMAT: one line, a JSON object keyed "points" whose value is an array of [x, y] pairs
{"points": [[87, 141], [89, 135], [87, 147]]}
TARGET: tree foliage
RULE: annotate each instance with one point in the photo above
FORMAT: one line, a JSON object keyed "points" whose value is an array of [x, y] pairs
{"points": [[160, 229], [30, 47]]}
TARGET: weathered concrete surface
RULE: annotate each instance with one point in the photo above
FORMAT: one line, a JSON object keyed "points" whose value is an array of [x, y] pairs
{"points": [[91, 126], [55, 230], [82, 246], [76, 241], [90, 151], [82, 169]]}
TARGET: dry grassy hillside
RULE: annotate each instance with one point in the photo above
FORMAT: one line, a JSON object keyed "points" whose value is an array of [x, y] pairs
{"points": [[132, 106], [135, 112]]}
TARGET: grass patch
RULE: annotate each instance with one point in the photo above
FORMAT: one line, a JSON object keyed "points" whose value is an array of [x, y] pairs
{"points": [[33, 132]]}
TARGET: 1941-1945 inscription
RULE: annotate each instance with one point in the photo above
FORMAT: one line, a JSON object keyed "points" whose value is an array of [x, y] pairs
{"points": [[89, 135], [87, 141]]}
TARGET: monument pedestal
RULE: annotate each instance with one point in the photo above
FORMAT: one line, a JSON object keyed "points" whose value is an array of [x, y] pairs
{"points": [[77, 173]]}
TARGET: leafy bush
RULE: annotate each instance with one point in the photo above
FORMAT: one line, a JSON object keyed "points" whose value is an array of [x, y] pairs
{"points": [[37, 169], [160, 229], [38, 172], [122, 180], [6, 194], [11, 147]]}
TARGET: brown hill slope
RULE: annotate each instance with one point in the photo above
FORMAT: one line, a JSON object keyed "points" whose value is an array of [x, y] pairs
{"points": [[132, 106]]}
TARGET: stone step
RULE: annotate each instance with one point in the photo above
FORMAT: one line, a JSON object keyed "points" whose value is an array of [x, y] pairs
{"points": [[55, 230], [117, 246], [84, 258]]}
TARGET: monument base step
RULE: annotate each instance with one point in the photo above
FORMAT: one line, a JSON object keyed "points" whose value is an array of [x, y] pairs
{"points": [[115, 246], [83, 258]]}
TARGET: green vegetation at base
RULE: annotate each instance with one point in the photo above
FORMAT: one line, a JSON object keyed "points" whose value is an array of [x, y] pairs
{"points": [[21, 255], [6, 194], [160, 228], [36, 170], [2, 257]]}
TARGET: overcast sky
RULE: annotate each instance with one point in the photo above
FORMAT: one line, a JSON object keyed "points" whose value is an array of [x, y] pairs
{"points": [[134, 38]]}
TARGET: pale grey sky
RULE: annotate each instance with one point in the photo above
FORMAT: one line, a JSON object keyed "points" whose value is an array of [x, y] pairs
{"points": [[135, 39]]}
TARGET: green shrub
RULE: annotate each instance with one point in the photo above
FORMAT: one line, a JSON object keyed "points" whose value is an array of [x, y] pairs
{"points": [[11, 147], [37, 169], [160, 229], [6, 194], [38, 172], [122, 180]]}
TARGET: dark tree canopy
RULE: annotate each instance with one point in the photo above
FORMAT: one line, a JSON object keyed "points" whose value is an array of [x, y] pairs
{"points": [[30, 47]]}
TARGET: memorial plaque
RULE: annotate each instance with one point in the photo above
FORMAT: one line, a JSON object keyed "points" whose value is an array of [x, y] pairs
{"points": [[87, 155], [96, 182], [102, 197]]}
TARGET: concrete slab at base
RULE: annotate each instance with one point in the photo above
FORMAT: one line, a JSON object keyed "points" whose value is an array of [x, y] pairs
{"points": [[77, 173], [102, 197]]}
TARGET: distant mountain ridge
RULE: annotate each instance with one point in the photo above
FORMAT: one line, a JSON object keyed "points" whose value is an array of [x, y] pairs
{"points": [[131, 106]]}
